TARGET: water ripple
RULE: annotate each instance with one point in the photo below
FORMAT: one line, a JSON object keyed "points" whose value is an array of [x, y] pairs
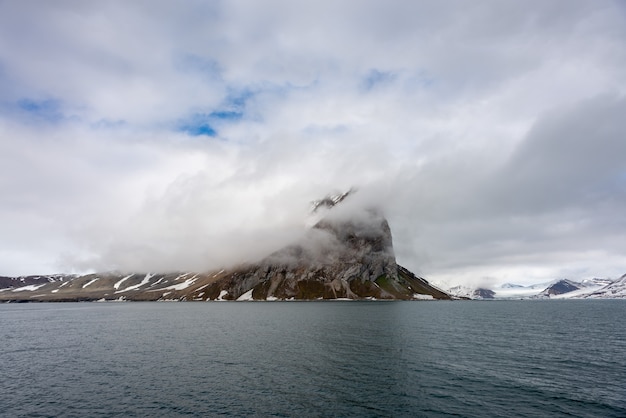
{"points": [[362, 359]]}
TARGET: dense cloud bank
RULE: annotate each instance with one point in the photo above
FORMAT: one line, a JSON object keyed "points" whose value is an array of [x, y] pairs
{"points": [[150, 136]]}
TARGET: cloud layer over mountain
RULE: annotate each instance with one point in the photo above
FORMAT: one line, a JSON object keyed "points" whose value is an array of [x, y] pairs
{"points": [[155, 136]]}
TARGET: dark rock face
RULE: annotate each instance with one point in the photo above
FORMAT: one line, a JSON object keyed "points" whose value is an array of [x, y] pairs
{"points": [[481, 293], [348, 256], [560, 287], [338, 259], [14, 282]]}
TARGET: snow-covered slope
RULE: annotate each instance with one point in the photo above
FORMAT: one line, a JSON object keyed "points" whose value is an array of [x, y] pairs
{"points": [[471, 292], [595, 288], [614, 290]]}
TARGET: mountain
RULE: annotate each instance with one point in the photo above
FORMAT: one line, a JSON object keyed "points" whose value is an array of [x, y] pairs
{"points": [[467, 292], [511, 286], [559, 288], [596, 282], [32, 282], [345, 254], [587, 289], [481, 293], [614, 290], [595, 288]]}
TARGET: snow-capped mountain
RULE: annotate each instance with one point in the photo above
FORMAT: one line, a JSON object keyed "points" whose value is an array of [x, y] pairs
{"points": [[511, 286], [614, 290], [595, 282], [468, 292], [595, 288]]}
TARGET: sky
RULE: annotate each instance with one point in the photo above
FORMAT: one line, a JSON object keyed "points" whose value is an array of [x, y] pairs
{"points": [[160, 135]]}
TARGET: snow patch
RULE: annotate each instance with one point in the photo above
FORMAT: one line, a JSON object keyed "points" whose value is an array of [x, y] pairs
{"points": [[29, 288], [145, 280], [221, 295], [157, 282], [182, 276], [117, 285], [201, 287], [246, 296], [419, 296], [183, 285], [91, 282]]}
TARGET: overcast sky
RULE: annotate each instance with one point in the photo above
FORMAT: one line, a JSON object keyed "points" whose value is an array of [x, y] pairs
{"points": [[163, 135]]}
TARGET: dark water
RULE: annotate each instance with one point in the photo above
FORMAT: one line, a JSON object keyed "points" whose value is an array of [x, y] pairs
{"points": [[470, 359]]}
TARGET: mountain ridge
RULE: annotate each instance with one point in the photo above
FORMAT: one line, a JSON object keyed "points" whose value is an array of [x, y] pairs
{"points": [[595, 288]]}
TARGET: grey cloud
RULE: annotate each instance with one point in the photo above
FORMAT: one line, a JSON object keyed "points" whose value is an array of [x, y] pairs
{"points": [[570, 159], [561, 191]]}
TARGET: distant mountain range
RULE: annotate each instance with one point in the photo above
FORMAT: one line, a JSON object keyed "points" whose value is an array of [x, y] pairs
{"points": [[344, 255], [557, 289]]}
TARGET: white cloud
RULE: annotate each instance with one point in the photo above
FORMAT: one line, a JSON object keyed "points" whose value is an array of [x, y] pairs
{"points": [[491, 134]]}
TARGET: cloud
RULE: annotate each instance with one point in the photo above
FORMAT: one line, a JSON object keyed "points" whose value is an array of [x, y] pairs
{"points": [[554, 201], [571, 157], [153, 136]]}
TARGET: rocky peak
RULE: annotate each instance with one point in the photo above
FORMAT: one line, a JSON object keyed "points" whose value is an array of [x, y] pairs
{"points": [[346, 254], [560, 287], [330, 200]]}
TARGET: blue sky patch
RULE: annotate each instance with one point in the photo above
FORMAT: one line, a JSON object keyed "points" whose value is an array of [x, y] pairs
{"points": [[48, 110], [198, 128], [207, 124], [226, 115]]}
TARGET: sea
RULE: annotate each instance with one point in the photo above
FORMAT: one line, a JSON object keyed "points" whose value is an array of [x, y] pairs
{"points": [[314, 359]]}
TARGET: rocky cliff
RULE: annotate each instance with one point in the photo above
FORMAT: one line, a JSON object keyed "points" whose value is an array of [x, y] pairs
{"points": [[345, 255]]}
